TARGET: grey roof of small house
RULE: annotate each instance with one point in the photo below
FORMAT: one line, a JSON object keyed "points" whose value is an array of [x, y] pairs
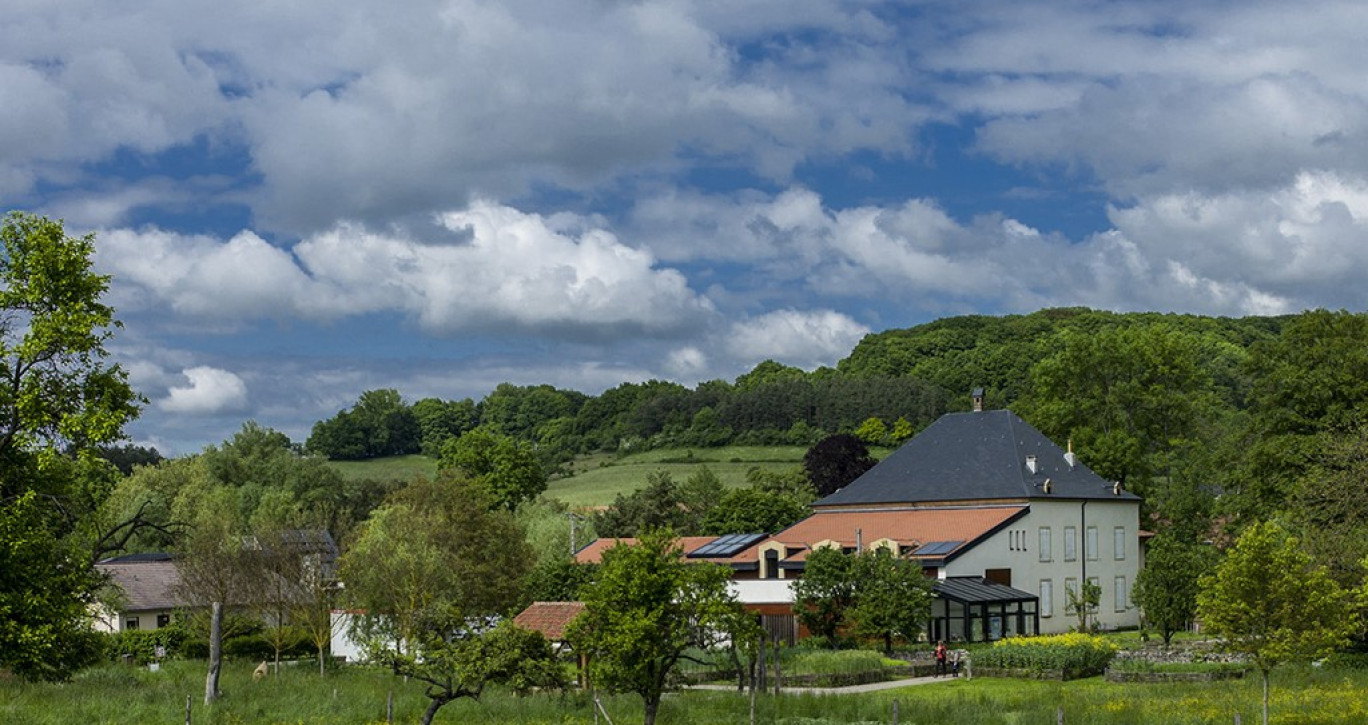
{"points": [[147, 583], [977, 456]]}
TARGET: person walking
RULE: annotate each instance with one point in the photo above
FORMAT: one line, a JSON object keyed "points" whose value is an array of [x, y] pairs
{"points": [[940, 658]]}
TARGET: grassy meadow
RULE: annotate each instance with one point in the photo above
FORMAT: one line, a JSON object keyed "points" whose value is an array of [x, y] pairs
{"points": [[117, 694], [595, 480], [394, 468]]}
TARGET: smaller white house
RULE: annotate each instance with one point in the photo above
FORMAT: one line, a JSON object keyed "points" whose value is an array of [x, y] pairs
{"points": [[141, 594]]}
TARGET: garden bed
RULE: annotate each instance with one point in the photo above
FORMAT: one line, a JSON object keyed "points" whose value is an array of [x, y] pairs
{"points": [[1114, 675]]}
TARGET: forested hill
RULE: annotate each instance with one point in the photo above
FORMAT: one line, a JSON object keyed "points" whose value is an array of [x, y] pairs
{"points": [[1177, 407], [998, 353]]}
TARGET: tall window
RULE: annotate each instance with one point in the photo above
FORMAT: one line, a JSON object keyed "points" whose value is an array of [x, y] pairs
{"points": [[1044, 543], [1070, 594], [1119, 542], [1070, 543], [1091, 543], [1046, 598], [1119, 590]]}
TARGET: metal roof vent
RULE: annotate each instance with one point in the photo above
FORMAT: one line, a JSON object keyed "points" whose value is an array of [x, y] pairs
{"points": [[1116, 488], [1032, 465], [1046, 488]]}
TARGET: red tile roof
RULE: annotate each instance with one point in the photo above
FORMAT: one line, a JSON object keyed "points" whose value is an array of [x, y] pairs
{"points": [[549, 618], [906, 526], [593, 553]]}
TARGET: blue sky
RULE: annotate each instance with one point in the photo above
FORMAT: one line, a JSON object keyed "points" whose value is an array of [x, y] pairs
{"points": [[302, 201]]}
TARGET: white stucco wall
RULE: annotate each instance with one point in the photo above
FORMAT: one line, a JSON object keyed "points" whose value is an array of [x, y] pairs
{"points": [[1018, 548], [763, 591]]}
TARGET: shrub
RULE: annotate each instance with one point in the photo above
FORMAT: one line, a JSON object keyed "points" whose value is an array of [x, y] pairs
{"points": [[1072, 653], [141, 644], [832, 662]]}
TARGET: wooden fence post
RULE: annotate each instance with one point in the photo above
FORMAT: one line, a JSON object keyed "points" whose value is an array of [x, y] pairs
{"points": [[389, 708], [895, 712], [187, 710], [1059, 715]]}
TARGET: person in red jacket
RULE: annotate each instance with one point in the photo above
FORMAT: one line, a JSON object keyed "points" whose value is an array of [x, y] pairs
{"points": [[940, 658]]}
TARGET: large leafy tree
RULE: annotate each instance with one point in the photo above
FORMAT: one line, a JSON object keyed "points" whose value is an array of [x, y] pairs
{"points": [[646, 609], [1125, 394], [59, 401], [1310, 383], [835, 461], [428, 566], [871, 594], [825, 594], [1328, 509], [1166, 589], [892, 597], [1268, 601], [507, 470]]}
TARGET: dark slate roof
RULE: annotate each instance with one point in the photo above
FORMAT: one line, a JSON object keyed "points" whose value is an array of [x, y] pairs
{"points": [[974, 590], [979, 456]]}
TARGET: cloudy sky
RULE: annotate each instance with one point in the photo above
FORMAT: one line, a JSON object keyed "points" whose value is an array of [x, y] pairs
{"points": [[299, 201]]}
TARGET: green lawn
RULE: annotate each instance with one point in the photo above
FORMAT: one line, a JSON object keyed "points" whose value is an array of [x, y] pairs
{"points": [[115, 694], [397, 468], [596, 480]]}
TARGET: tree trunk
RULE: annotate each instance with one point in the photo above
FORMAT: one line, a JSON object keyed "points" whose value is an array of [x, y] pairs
{"points": [[321, 671], [432, 708], [211, 691], [652, 706], [1265, 696]]}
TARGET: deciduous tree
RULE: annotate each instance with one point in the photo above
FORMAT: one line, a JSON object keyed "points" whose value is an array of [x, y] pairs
{"points": [[1166, 589], [1268, 601], [506, 470], [835, 461], [825, 593], [59, 401], [646, 609], [892, 597]]}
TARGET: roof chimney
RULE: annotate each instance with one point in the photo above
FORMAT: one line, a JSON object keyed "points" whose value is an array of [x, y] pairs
{"points": [[1069, 456], [977, 395], [1031, 465]]}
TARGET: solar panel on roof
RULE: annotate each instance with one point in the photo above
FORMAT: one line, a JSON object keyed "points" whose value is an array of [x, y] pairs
{"points": [[724, 546], [937, 548]]}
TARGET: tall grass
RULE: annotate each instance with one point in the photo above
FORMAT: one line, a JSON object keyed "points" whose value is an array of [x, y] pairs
{"points": [[118, 695]]}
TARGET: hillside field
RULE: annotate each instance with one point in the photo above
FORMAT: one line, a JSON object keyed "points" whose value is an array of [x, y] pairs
{"points": [[595, 480]]}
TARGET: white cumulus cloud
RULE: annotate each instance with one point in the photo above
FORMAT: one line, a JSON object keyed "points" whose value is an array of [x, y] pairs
{"points": [[210, 391]]}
